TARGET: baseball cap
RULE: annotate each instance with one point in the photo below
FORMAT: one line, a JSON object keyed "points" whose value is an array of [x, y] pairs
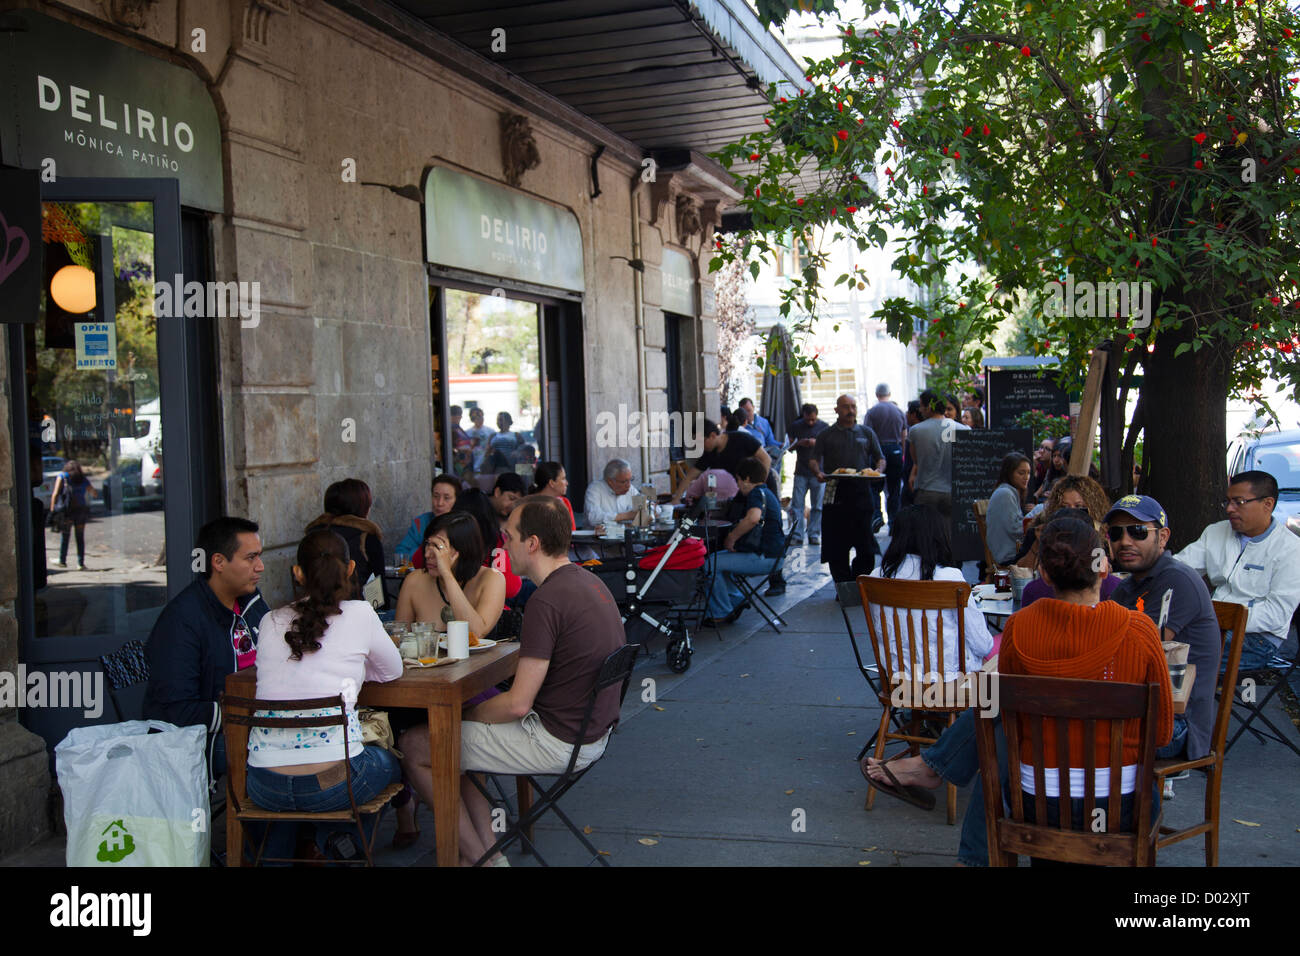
{"points": [[1142, 507]]}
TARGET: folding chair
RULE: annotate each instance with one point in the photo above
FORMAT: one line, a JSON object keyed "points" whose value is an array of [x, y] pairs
{"points": [[1038, 708], [1283, 669], [749, 593], [1232, 617], [891, 633], [237, 716], [617, 669], [848, 596]]}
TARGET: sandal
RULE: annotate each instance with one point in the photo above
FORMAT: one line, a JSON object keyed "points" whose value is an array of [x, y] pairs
{"points": [[916, 796], [403, 839]]}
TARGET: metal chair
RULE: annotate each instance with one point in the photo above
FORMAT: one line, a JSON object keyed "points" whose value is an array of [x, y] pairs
{"points": [[237, 714], [1254, 711], [617, 669], [749, 593], [847, 595], [900, 650], [1232, 617], [1035, 709]]}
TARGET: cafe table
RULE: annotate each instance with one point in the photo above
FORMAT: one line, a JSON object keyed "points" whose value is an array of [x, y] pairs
{"points": [[441, 691]]}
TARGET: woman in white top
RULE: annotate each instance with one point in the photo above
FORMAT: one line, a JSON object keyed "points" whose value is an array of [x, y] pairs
{"points": [[318, 646], [921, 550]]}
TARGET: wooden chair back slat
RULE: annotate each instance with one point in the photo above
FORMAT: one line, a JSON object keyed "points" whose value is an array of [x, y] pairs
{"points": [[1232, 619], [1034, 705], [911, 651]]}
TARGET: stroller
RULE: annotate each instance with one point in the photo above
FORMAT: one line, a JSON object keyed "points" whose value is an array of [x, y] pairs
{"points": [[664, 591]]}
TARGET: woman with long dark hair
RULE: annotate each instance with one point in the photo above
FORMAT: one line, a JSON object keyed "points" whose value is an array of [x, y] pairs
{"points": [[454, 585], [1005, 521], [549, 479], [347, 512], [76, 491], [320, 645], [921, 550], [478, 506]]}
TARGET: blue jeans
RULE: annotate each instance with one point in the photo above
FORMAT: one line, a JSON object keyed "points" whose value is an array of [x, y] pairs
{"points": [[814, 489], [1256, 651], [723, 595], [1177, 746], [372, 770]]}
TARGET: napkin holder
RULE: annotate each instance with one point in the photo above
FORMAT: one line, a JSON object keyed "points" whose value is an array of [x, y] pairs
{"points": [[642, 517]]}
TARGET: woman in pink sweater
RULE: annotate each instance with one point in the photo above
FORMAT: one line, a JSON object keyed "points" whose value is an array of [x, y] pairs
{"points": [[319, 646]]}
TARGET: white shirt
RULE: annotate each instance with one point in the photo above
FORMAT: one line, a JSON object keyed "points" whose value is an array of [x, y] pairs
{"points": [[601, 504], [354, 649], [978, 639], [1264, 575]]}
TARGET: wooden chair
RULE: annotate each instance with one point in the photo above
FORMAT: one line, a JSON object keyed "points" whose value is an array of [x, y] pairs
{"points": [[237, 717], [1051, 704], [1232, 617], [677, 472], [981, 509], [900, 650]]}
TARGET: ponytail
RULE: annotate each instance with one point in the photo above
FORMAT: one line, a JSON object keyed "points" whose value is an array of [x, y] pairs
{"points": [[323, 558]]}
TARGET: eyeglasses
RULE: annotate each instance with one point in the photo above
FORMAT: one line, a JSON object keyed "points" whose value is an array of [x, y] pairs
{"points": [[1138, 532], [1239, 502]]}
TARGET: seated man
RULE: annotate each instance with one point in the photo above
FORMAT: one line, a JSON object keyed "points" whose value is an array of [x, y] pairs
{"points": [[445, 489], [570, 626], [610, 499], [207, 631], [1176, 600], [1251, 559], [507, 491], [746, 556]]}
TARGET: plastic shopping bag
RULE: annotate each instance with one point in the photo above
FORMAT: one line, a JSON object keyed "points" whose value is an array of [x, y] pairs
{"points": [[132, 798]]}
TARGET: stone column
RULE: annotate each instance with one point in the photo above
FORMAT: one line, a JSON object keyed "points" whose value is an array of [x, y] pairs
{"points": [[24, 765]]}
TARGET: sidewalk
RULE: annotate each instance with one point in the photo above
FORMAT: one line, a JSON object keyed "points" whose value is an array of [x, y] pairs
{"points": [[762, 731]]}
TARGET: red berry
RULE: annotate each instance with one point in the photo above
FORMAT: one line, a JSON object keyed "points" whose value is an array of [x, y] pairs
{"points": [[851, 208], [1198, 164], [1200, 138], [986, 129], [753, 156], [799, 202], [843, 134], [1025, 51]]}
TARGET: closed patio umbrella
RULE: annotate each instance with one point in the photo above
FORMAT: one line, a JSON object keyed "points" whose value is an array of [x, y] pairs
{"points": [[780, 400]]}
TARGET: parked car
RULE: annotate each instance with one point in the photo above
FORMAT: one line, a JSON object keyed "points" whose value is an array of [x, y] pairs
{"points": [[51, 465], [139, 483], [1278, 453]]}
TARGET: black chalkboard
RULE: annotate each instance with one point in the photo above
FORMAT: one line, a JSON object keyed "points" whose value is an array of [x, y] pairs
{"points": [[977, 455], [1013, 391]]}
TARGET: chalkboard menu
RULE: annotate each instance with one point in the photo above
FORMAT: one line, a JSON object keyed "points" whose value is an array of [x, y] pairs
{"points": [[977, 455], [1014, 391]]}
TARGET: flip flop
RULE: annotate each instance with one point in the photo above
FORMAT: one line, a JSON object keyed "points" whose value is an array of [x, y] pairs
{"points": [[916, 796]]}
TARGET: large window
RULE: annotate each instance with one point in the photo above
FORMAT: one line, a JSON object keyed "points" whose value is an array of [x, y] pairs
{"points": [[494, 380], [94, 412]]}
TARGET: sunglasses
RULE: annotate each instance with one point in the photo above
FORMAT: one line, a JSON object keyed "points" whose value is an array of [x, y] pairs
{"points": [[1138, 532]]}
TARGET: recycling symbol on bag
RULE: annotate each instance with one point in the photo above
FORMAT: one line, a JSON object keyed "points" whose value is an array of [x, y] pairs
{"points": [[118, 844]]}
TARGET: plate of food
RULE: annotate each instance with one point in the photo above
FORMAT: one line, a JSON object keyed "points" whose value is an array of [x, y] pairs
{"points": [[870, 473], [844, 471], [427, 662], [476, 644]]}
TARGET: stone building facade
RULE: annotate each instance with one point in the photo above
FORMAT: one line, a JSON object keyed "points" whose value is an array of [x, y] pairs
{"points": [[329, 129]]}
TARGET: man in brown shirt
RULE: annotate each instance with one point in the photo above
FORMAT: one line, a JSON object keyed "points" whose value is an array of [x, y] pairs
{"points": [[571, 624]]}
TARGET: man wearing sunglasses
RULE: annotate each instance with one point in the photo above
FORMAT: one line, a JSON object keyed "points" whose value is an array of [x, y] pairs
{"points": [[1251, 559], [207, 631], [1176, 599]]}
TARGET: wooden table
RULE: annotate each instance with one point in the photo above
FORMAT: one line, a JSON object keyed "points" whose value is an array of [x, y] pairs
{"points": [[441, 691]]}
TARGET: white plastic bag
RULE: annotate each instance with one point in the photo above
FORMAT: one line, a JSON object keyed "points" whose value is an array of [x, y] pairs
{"points": [[132, 798]]}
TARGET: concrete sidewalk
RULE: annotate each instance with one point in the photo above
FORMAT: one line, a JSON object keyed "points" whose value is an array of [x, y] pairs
{"points": [[748, 759]]}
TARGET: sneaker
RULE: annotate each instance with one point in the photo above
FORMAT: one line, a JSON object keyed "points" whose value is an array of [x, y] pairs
{"points": [[82, 566], [60, 564], [776, 590]]}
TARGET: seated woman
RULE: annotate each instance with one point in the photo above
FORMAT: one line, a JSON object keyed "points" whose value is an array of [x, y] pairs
{"points": [[479, 507], [454, 586], [921, 550], [1005, 521], [445, 490], [1038, 588], [724, 486], [1074, 635], [549, 479], [347, 512], [318, 646], [1071, 491], [741, 553]]}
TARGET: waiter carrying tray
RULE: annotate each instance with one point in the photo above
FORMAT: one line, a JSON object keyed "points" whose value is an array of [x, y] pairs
{"points": [[849, 505]]}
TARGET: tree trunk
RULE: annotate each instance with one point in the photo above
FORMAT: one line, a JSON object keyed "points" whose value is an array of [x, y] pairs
{"points": [[1185, 444]]}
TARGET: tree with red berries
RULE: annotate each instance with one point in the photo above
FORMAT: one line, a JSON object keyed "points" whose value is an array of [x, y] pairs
{"points": [[1008, 151]]}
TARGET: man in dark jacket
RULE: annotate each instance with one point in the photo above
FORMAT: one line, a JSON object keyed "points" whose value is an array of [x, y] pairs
{"points": [[207, 631]]}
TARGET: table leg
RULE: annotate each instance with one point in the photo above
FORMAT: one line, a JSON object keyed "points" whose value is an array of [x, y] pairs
{"points": [[525, 792], [444, 758]]}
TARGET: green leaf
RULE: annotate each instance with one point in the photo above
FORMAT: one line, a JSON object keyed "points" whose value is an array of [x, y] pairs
{"points": [[754, 270], [1193, 42], [930, 66], [1182, 347]]}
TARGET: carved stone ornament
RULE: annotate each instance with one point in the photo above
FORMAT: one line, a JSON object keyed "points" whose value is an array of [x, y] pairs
{"points": [[688, 218], [257, 19], [518, 147], [128, 13]]}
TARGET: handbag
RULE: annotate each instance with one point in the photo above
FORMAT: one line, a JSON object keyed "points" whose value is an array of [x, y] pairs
{"points": [[377, 729]]}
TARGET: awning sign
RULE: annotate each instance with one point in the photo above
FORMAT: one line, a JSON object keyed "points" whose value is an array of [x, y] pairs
{"points": [[96, 345]]}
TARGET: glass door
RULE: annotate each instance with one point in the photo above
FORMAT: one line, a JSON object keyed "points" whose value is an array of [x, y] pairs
{"points": [[101, 390]]}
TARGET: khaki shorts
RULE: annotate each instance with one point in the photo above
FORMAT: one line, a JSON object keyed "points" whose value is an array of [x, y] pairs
{"points": [[520, 746]]}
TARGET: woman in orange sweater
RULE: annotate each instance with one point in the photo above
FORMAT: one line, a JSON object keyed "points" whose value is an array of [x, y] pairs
{"points": [[1076, 635]]}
